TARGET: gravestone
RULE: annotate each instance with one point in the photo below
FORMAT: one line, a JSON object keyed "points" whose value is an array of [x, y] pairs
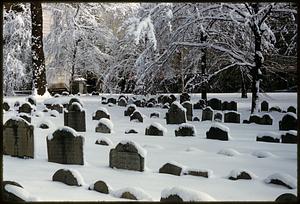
{"points": [[184, 97], [154, 115], [136, 116], [25, 108], [207, 114], [287, 198], [150, 105], [217, 133], [166, 106], [58, 107], [189, 110], [225, 105], [6, 107], [200, 104], [100, 186], [131, 131], [265, 137], [102, 113], [185, 130], [122, 102], [18, 138], [112, 100], [25, 116], [155, 129], [176, 114], [173, 98], [65, 93], [232, 106], [65, 146], [291, 109], [242, 175], [74, 117], [127, 155], [166, 99], [218, 116], [72, 100], [44, 126], [95, 93], [288, 122], [289, 137], [12, 196], [266, 119], [264, 106], [196, 119], [232, 117], [173, 198], [128, 195], [215, 104], [104, 126], [275, 108], [131, 108], [170, 168], [66, 176]]}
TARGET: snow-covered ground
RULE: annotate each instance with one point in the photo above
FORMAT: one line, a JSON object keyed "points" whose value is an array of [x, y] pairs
{"points": [[220, 157]]}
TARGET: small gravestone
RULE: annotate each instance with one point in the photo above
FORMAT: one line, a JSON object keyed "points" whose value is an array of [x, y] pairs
{"points": [[287, 198], [288, 122], [174, 198], [185, 130], [25, 117], [282, 180], [232, 106], [112, 100], [196, 119], [104, 126], [264, 106], [225, 105], [218, 132], [207, 113], [56, 95], [65, 146], [290, 137], [215, 104], [268, 137], [58, 107], [74, 117], [232, 117], [266, 119], [127, 155], [292, 109], [65, 93], [139, 103], [150, 105], [69, 177], [72, 100], [189, 110], [6, 107], [44, 126], [122, 102], [218, 117], [239, 175], [173, 98], [101, 142], [131, 108], [128, 195], [18, 138], [101, 113], [176, 114], [275, 108], [100, 186], [196, 172], [131, 131], [136, 116], [25, 108], [200, 104], [9, 196], [155, 129], [154, 115], [95, 93], [166, 99], [184, 97], [170, 168]]}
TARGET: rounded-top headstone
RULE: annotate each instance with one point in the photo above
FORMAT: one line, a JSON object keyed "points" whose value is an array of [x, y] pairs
{"points": [[286, 197], [176, 114], [72, 100], [69, 177], [100, 186], [8, 196], [291, 109]]}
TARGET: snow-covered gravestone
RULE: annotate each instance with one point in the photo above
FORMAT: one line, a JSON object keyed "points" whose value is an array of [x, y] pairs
{"points": [[207, 114], [131, 108], [74, 117], [200, 104], [18, 138], [176, 114], [70, 177], [232, 117], [215, 104], [218, 117], [112, 100], [289, 137], [155, 129], [104, 126], [184, 97], [127, 155], [101, 113], [185, 130], [264, 106], [218, 132], [136, 116], [291, 109], [65, 146], [282, 179], [122, 102], [25, 108], [25, 116], [268, 137], [58, 107], [13, 192], [288, 122], [189, 110]]}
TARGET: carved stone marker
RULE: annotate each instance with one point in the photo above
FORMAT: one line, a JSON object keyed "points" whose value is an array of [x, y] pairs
{"points": [[184, 97], [218, 132], [264, 106], [207, 113], [122, 102], [155, 129], [288, 122], [69, 177], [127, 155], [58, 107], [218, 116], [131, 108], [170, 168], [6, 107], [185, 130], [100, 186], [101, 113], [136, 116], [232, 117], [189, 110], [289, 137], [112, 100], [176, 114], [9, 196], [104, 126], [215, 104], [74, 117], [291, 109], [65, 146], [200, 104], [18, 139], [25, 108]]}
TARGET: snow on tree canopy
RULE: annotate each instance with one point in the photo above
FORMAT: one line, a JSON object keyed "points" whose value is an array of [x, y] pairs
{"points": [[20, 192], [77, 175], [139, 193], [107, 140], [159, 126], [229, 152], [176, 103], [285, 178], [274, 135], [65, 129], [234, 173], [186, 194], [140, 149], [107, 122]]}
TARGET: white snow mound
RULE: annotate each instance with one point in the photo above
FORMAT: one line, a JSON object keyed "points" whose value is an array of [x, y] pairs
{"points": [[107, 122], [274, 135], [139, 193], [262, 154], [140, 149], [285, 178], [229, 152], [107, 140], [20, 192], [186, 194], [65, 128], [159, 126]]}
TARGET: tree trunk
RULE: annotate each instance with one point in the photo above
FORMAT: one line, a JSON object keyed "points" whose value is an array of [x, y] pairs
{"points": [[73, 65], [38, 59], [243, 85], [204, 86]]}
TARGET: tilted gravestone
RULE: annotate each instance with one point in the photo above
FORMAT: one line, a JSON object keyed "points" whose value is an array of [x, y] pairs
{"points": [[100, 186], [287, 198], [101, 113], [215, 104], [6, 107], [189, 110], [171, 168], [232, 117], [264, 106], [275, 108], [127, 155], [18, 138], [218, 132], [184, 97], [31, 100], [25, 108], [176, 114], [136, 116], [131, 108], [104, 126], [288, 122], [291, 109], [65, 146], [74, 117], [218, 116], [207, 114]]}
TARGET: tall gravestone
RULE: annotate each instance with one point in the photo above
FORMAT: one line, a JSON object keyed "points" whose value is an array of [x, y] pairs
{"points": [[189, 110], [65, 146], [18, 138], [74, 117], [215, 104], [207, 113], [127, 155], [176, 114], [264, 106], [288, 122]]}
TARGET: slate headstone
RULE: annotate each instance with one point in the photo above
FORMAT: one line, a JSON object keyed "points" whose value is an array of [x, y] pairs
{"points": [[207, 114], [66, 176], [264, 106], [215, 104], [288, 122], [232, 117], [74, 117], [189, 110], [176, 114]]}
